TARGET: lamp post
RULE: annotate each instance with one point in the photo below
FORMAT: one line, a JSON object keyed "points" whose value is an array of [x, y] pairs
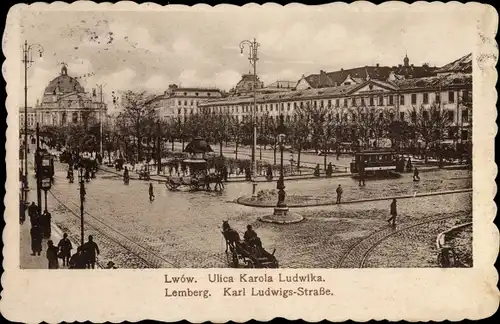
{"points": [[82, 200], [281, 215], [253, 58], [281, 205], [27, 60]]}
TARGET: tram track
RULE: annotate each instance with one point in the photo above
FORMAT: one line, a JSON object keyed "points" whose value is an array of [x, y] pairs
{"points": [[132, 248], [357, 254]]}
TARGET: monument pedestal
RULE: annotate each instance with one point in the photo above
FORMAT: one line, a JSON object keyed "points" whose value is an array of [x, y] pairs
{"points": [[282, 215]]}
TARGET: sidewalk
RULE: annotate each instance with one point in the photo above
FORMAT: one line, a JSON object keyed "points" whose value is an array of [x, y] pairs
{"points": [[28, 261]]}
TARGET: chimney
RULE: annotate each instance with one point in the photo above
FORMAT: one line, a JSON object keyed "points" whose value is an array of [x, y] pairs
{"points": [[411, 65], [378, 65]]}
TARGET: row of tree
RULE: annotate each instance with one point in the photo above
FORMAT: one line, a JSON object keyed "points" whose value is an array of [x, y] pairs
{"points": [[138, 133]]}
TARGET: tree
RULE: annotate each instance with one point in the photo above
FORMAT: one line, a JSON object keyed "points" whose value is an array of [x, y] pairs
{"points": [[137, 114], [299, 131]]}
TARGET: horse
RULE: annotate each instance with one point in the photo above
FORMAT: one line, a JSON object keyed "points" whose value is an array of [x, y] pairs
{"points": [[232, 237]]}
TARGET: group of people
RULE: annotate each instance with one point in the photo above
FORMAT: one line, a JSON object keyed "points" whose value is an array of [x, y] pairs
{"points": [[85, 256], [40, 227]]}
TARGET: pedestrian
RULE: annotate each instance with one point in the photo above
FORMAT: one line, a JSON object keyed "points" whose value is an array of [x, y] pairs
{"points": [[22, 212], [408, 165], [316, 171], [361, 172], [65, 248], [394, 213], [77, 260], [52, 255], [36, 239], [33, 212], [151, 192], [45, 220], [90, 251], [339, 194], [416, 177], [338, 152], [329, 170]]}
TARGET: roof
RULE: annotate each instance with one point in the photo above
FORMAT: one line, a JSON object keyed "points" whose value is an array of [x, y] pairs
{"points": [[282, 84], [448, 80], [198, 145], [63, 84], [324, 79], [411, 71], [463, 64]]}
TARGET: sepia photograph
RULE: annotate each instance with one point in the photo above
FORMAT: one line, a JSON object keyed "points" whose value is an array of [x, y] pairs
{"points": [[151, 144], [255, 151]]}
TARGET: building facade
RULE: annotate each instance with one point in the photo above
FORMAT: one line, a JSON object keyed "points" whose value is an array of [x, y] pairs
{"points": [[180, 102], [64, 102], [398, 99]]}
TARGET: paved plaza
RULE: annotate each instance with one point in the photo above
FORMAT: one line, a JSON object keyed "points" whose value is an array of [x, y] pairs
{"points": [[183, 228]]}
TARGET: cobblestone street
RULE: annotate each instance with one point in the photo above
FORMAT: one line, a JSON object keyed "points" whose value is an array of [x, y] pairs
{"points": [[182, 229]]}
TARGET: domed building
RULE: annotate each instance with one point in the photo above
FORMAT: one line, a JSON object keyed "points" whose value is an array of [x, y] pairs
{"points": [[65, 101]]}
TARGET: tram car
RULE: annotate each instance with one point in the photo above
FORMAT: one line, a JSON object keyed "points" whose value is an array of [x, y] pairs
{"points": [[372, 162]]}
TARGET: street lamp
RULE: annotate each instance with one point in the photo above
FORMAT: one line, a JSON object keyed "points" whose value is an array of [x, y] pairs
{"points": [[27, 60], [253, 58], [81, 178], [281, 207]]}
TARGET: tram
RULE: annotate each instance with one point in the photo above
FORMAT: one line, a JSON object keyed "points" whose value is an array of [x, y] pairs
{"points": [[370, 162]]}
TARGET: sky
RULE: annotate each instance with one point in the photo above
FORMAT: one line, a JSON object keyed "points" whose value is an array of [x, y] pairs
{"points": [[150, 50]]}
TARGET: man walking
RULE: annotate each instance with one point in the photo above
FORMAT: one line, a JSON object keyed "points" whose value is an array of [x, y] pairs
{"points": [[394, 213], [52, 255], [90, 251], [416, 177], [65, 248], [151, 192], [36, 239], [33, 213], [339, 194]]}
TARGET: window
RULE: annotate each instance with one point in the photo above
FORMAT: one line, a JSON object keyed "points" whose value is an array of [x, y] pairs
{"points": [[362, 102], [185, 111], [354, 102], [414, 116], [315, 105], [391, 100], [208, 94], [329, 102], [465, 134], [391, 116], [451, 115], [191, 102], [185, 103], [438, 98], [402, 115], [185, 93], [401, 100], [381, 100], [426, 98], [353, 117], [425, 115], [337, 117], [381, 116], [288, 105], [301, 104], [465, 115], [337, 102], [74, 117], [345, 102], [465, 96], [196, 94], [451, 97], [371, 101], [179, 103], [413, 98]]}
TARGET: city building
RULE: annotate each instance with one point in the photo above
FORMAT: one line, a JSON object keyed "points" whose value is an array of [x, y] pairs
{"points": [[64, 101], [396, 98], [179, 102]]}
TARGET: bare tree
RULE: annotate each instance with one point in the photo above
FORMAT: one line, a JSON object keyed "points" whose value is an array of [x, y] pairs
{"points": [[138, 114]]}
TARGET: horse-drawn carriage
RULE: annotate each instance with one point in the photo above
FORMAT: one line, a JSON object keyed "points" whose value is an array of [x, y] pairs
{"points": [[199, 178], [246, 253]]}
